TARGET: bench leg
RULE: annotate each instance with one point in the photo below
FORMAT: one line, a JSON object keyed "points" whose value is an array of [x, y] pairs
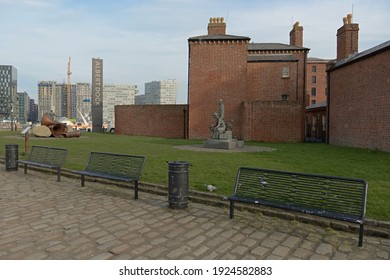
{"points": [[361, 232], [82, 180], [25, 168], [58, 175], [231, 209], [136, 189]]}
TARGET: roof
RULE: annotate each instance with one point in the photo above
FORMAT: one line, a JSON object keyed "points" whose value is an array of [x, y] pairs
{"points": [[215, 37], [362, 55], [273, 47], [271, 57], [319, 60], [318, 105]]}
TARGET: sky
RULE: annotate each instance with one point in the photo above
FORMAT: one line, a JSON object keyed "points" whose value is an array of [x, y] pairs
{"points": [[144, 41]]}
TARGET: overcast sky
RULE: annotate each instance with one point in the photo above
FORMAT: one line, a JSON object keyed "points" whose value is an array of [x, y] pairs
{"points": [[143, 41]]}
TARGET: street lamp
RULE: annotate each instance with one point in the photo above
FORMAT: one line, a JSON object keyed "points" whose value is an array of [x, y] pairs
{"points": [[12, 117]]}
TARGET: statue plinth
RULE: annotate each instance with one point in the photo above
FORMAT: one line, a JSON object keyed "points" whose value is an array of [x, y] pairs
{"points": [[230, 144]]}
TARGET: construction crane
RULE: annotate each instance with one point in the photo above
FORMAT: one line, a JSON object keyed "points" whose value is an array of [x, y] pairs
{"points": [[68, 95]]}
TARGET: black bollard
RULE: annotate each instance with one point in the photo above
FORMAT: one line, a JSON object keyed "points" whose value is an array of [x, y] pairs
{"points": [[11, 157], [178, 184]]}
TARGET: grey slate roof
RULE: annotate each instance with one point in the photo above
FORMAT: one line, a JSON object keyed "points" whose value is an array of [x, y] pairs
{"points": [[317, 105], [271, 58], [215, 37], [319, 60], [372, 51], [272, 47]]}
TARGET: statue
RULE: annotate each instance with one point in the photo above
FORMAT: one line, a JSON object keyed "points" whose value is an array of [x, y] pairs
{"points": [[221, 130]]}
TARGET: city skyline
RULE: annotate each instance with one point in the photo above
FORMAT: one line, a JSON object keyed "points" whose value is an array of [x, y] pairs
{"points": [[143, 41]]}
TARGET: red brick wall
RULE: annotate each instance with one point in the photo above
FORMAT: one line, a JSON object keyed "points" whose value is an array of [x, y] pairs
{"points": [[217, 70], [151, 120], [273, 121], [265, 82], [360, 103]]}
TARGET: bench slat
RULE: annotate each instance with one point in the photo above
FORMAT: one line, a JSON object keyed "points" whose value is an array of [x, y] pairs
{"points": [[120, 167], [303, 190], [328, 196], [46, 157]]}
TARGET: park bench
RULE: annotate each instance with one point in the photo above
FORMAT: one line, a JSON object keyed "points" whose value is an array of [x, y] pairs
{"points": [[118, 167], [46, 157], [326, 196]]}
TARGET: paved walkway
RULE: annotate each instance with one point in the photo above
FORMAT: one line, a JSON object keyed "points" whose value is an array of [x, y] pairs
{"points": [[44, 219]]}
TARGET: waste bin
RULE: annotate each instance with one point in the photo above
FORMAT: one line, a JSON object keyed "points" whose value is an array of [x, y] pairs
{"points": [[11, 157], [178, 184]]}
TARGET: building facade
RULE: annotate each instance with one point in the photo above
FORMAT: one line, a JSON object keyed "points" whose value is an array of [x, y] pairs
{"points": [[262, 85], [316, 79], [113, 95], [9, 105], [48, 99], [62, 99], [33, 112], [83, 102], [159, 92], [24, 107]]}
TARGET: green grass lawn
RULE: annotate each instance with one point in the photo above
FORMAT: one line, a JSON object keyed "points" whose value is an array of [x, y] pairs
{"points": [[220, 168]]}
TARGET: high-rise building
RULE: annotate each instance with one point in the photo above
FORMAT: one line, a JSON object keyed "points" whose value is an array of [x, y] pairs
{"points": [[83, 101], [62, 99], [8, 92], [116, 95], [48, 99], [159, 92], [33, 115], [24, 107]]}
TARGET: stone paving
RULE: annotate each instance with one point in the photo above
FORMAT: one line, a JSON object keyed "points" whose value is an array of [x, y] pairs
{"points": [[44, 219]]}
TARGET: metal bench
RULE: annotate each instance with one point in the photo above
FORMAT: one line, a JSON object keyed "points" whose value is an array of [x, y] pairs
{"points": [[327, 196], [46, 157], [118, 167]]}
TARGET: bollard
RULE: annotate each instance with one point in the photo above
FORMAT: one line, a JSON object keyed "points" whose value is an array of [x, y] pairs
{"points": [[178, 184], [11, 157]]}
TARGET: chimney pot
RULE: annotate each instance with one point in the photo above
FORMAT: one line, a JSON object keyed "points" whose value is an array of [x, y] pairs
{"points": [[216, 26], [349, 18]]}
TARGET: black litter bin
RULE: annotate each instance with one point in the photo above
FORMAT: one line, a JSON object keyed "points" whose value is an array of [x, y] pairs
{"points": [[11, 157], [178, 184]]}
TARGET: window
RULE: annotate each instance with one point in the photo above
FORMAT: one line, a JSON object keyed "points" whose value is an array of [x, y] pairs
{"points": [[313, 102], [284, 97], [285, 72], [313, 79], [314, 69], [313, 91]]}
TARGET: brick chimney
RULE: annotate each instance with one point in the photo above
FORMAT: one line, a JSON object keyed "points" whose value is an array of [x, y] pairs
{"points": [[217, 26], [296, 35], [347, 38]]}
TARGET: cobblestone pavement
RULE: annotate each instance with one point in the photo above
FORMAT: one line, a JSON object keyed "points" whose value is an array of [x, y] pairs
{"points": [[44, 219]]}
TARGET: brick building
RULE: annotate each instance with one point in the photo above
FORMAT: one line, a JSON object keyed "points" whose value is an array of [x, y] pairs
{"points": [[262, 84], [358, 101], [316, 77]]}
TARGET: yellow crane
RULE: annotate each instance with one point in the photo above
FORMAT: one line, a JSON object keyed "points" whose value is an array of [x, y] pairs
{"points": [[68, 95]]}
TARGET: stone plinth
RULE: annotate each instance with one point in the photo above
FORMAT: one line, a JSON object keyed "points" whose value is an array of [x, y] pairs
{"points": [[223, 144]]}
